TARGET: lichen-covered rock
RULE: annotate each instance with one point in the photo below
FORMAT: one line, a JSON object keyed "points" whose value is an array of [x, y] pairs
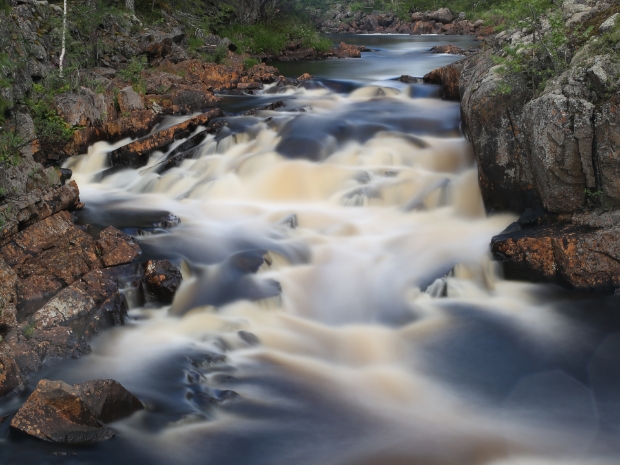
{"points": [[443, 15], [161, 280], [8, 296], [81, 109], [55, 412]]}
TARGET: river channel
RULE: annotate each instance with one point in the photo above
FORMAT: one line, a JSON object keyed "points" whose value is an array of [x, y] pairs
{"points": [[378, 331]]}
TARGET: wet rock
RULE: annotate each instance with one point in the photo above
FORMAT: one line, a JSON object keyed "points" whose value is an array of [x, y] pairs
{"points": [[129, 100], [409, 79], [448, 78], [305, 77], [108, 400], [161, 280], [55, 412], [10, 374], [577, 256], [133, 155], [116, 247]]}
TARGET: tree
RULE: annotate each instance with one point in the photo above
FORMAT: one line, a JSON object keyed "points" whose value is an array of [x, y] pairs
{"points": [[64, 34]]}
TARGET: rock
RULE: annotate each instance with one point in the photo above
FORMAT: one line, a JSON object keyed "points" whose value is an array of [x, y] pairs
{"points": [[607, 155], [80, 109], [133, 155], [129, 100], [10, 374], [409, 79], [117, 248], [599, 78], [64, 325], [161, 280], [443, 15], [305, 77], [347, 51], [492, 122], [8, 296], [576, 256], [55, 412], [250, 85], [610, 23], [186, 101], [449, 49], [47, 257], [108, 400], [58, 412], [448, 77]]}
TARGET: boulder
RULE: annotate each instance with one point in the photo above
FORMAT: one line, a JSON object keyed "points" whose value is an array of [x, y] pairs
{"points": [[81, 109], [129, 100], [8, 296], [448, 49], [443, 15], [161, 280], [347, 51], [55, 412], [116, 247]]}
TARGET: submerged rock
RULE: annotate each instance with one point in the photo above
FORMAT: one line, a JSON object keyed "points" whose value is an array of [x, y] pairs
{"points": [[59, 412]]}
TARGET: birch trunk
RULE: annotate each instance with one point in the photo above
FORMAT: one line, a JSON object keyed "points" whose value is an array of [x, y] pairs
{"points": [[64, 34]]}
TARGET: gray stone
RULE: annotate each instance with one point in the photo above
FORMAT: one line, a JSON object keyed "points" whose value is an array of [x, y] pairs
{"points": [[443, 15], [609, 23], [129, 100], [598, 77]]}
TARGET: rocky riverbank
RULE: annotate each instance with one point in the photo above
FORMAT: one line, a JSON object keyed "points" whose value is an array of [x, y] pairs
{"points": [[342, 20], [549, 152]]}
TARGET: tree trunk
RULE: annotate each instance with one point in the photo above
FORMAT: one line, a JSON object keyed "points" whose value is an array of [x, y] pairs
{"points": [[64, 33], [129, 4]]}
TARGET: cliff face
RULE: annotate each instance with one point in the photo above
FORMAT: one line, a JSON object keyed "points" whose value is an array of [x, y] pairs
{"points": [[552, 153]]}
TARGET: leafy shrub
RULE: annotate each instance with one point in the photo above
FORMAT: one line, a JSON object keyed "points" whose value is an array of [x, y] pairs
{"points": [[10, 144], [133, 73], [52, 132]]}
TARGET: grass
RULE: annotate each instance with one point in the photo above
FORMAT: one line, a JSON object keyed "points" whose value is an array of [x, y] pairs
{"points": [[272, 37]]}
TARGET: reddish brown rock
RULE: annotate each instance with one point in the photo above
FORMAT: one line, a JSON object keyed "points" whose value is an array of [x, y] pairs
{"points": [[108, 400], [55, 412], [448, 78], [64, 325], [348, 51], [576, 256], [116, 247], [161, 280], [10, 374]]}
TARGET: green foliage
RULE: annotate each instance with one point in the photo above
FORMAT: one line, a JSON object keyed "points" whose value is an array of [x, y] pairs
{"points": [[273, 37], [133, 73], [28, 330], [218, 56], [250, 62], [10, 143], [6, 65], [51, 130]]}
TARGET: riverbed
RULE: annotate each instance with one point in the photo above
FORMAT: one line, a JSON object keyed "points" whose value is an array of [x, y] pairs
{"points": [[378, 329]]}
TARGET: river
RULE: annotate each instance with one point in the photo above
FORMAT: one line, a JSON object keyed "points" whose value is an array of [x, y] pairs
{"points": [[378, 329]]}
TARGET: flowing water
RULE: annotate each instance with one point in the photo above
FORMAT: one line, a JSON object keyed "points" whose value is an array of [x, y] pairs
{"points": [[378, 329]]}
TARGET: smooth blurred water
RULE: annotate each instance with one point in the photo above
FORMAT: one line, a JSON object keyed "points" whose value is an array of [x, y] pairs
{"points": [[394, 339]]}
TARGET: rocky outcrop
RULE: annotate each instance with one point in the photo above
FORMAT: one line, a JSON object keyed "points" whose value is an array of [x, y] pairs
{"points": [[551, 149], [61, 413], [448, 78]]}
